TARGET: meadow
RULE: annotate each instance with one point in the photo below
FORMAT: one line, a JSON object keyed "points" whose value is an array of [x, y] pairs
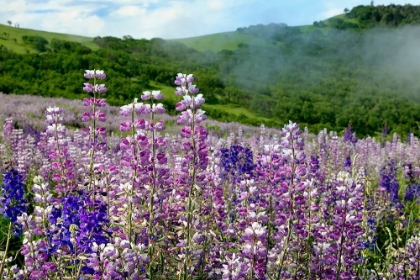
{"points": [[91, 191]]}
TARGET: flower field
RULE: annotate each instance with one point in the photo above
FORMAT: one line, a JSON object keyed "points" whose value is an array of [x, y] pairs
{"points": [[191, 204]]}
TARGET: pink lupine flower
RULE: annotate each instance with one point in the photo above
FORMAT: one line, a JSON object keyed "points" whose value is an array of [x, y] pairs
{"points": [[155, 94], [140, 124], [125, 110], [101, 131], [90, 74], [186, 132], [193, 88], [56, 178], [125, 126], [158, 108], [198, 100], [180, 80], [180, 106], [179, 91], [183, 118], [161, 157], [160, 141], [146, 95], [190, 78], [100, 74], [86, 117], [199, 116], [85, 131], [142, 109], [100, 88], [125, 144], [143, 141], [100, 102], [159, 126], [88, 87], [88, 102], [101, 116]]}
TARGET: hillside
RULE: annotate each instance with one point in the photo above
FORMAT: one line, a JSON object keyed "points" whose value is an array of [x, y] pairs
{"points": [[11, 38], [358, 68]]}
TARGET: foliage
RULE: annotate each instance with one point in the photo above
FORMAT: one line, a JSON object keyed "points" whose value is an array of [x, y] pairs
{"points": [[390, 15], [326, 75]]}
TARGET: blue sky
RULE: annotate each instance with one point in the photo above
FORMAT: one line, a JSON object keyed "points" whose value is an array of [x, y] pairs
{"points": [[168, 18]]}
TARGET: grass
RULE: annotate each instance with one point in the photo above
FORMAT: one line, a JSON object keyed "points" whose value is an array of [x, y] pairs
{"points": [[11, 38], [220, 41], [167, 91], [169, 94], [231, 109]]}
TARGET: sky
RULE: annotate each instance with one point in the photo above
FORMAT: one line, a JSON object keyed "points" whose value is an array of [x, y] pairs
{"points": [[168, 19]]}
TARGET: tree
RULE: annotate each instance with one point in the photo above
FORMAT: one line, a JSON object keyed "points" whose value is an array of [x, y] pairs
{"points": [[9, 23], [346, 10]]}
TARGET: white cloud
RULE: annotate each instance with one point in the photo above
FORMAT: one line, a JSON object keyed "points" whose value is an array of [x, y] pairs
{"points": [[166, 19], [128, 11], [332, 12]]}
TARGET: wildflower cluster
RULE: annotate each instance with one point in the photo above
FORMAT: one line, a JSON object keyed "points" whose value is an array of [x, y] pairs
{"points": [[279, 204]]}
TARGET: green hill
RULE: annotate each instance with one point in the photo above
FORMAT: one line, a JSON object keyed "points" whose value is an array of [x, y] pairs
{"points": [[11, 38], [220, 41], [359, 67]]}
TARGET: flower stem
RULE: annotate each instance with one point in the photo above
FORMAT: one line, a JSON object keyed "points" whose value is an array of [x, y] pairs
{"points": [[152, 194], [190, 194], [3, 262]]}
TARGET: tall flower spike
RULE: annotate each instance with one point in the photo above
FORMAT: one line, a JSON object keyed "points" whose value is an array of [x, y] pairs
{"points": [[13, 203]]}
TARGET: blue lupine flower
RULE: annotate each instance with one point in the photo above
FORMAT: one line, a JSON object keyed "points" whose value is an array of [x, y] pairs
{"points": [[314, 165], [413, 193], [87, 218], [13, 203], [347, 162], [237, 161], [389, 181], [385, 131], [349, 135], [29, 130]]}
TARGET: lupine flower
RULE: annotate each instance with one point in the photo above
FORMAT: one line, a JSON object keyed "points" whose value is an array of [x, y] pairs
{"points": [[12, 202], [158, 108], [86, 217], [155, 94], [237, 161], [412, 193], [90, 74], [389, 181]]}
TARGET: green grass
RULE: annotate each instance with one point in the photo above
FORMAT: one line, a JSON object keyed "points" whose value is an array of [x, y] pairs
{"points": [[232, 109], [220, 41], [169, 94], [311, 28], [167, 91], [11, 38]]}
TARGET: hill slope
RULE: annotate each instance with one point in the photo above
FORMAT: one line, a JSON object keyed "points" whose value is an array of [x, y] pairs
{"points": [[356, 67], [11, 38]]}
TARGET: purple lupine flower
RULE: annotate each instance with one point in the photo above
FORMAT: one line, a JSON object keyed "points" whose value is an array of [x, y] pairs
{"points": [[412, 257], [158, 108], [155, 94], [90, 74]]}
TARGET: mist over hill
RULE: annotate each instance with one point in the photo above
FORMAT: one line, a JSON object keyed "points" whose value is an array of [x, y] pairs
{"points": [[359, 68]]}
